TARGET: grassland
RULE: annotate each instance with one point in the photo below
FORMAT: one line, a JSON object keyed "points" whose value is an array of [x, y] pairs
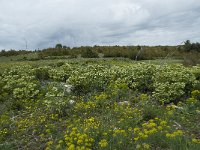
{"points": [[99, 103]]}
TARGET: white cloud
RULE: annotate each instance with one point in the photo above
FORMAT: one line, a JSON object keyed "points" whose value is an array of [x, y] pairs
{"points": [[97, 22]]}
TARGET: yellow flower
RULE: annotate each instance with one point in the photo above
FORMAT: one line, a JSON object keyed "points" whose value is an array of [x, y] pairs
{"points": [[50, 143], [138, 146], [160, 127], [136, 138], [136, 130], [103, 143], [170, 112], [105, 133], [74, 129], [151, 125], [151, 121], [168, 135], [79, 142], [196, 141], [163, 123], [179, 132], [146, 146], [71, 147]]}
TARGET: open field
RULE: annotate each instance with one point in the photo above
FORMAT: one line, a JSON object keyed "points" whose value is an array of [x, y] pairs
{"points": [[18, 57], [99, 104]]}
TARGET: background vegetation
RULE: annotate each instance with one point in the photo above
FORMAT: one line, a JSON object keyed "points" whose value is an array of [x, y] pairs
{"points": [[188, 53]]}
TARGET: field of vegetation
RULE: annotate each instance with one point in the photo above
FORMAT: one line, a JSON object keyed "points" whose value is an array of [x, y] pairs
{"points": [[188, 54], [89, 104]]}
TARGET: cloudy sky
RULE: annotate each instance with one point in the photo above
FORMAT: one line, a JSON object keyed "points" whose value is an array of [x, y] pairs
{"points": [[43, 23]]}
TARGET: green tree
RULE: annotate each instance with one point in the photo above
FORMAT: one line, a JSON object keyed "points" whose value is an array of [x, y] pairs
{"points": [[89, 53], [59, 46], [187, 45]]}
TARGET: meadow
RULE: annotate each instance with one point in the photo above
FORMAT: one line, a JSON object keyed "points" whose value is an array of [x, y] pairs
{"points": [[104, 104]]}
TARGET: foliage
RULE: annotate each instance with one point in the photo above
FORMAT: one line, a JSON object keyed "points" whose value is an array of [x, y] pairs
{"points": [[14, 52], [89, 53], [113, 104], [58, 46], [131, 52], [191, 46]]}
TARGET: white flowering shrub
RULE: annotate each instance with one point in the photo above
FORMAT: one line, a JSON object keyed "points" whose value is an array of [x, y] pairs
{"points": [[172, 82], [20, 83], [167, 83], [196, 71], [61, 73], [57, 97], [139, 77], [89, 78]]}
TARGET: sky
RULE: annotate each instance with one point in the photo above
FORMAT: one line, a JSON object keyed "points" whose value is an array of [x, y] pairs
{"points": [[44, 23]]}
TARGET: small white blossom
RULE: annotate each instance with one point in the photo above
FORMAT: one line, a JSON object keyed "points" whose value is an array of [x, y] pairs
{"points": [[181, 108], [124, 103], [68, 88], [71, 102]]}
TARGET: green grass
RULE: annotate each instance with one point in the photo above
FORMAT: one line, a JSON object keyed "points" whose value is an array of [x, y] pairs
{"points": [[162, 61], [18, 57]]}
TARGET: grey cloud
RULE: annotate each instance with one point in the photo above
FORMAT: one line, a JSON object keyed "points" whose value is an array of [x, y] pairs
{"points": [[97, 22]]}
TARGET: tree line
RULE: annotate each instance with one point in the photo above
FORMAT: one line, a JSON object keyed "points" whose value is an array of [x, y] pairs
{"points": [[186, 51]]}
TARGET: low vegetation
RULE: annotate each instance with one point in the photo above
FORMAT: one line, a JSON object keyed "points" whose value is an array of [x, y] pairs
{"points": [[82, 104], [188, 53]]}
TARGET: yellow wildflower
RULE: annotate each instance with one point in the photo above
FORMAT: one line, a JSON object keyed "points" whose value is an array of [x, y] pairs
{"points": [[103, 143]]}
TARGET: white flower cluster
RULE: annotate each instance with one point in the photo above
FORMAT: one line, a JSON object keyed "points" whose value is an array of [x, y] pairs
{"points": [[68, 88]]}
